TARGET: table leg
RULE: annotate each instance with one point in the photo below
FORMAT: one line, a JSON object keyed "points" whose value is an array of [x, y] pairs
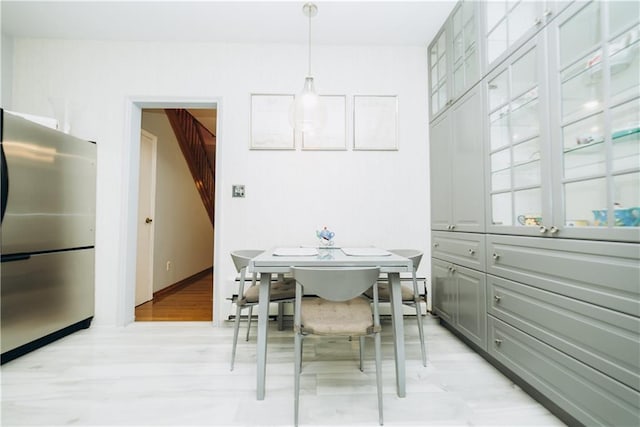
{"points": [[398, 332], [263, 323]]}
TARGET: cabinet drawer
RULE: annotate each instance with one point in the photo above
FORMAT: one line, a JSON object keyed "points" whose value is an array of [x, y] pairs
{"points": [[587, 394], [604, 339], [602, 273], [466, 249]]}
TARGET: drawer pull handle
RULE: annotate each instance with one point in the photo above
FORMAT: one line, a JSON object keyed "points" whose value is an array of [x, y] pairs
{"points": [[435, 245], [547, 12], [495, 256], [471, 252], [497, 298], [554, 229], [498, 342], [450, 227], [537, 21], [451, 269], [543, 229]]}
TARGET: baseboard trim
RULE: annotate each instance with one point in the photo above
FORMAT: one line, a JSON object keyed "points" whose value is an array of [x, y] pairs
{"points": [[158, 295]]}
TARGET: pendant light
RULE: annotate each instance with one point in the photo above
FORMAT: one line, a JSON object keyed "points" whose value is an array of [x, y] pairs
{"points": [[307, 113]]}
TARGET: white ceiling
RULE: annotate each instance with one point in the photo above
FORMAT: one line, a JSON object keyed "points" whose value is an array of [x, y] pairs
{"points": [[337, 22]]}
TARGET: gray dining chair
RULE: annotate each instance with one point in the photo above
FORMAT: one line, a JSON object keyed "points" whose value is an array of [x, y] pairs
{"points": [[337, 308], [410, 296], [282, 291]]}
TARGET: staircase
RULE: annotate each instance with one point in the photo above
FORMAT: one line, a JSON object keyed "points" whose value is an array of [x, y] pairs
{"points": [[194, 139]]}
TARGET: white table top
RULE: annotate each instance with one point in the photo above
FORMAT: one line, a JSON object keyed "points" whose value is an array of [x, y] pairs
{"points": [[267, 262]]}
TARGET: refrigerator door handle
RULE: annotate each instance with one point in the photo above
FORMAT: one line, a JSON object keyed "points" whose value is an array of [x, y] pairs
{"points": [[5, 183]]}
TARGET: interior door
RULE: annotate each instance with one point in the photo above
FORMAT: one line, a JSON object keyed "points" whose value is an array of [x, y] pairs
{"points": [[146, 210]]}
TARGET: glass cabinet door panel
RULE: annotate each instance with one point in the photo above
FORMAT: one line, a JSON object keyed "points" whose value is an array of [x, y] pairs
{"points": [[624, 65], [501, 170], [625, 133], [521, 19], [442, 95], [582, 93], [527, 207], [497, 42], [499, 128], [584, 202], [524, 73], [471, 66], [584, 149], [526, 175], [495, 11], [526, 159], [499, 90], [580, 34], [622, 14], [458, 77], [627, 197], [582, 133], [525, 120], [501, 209], [434, 76]]}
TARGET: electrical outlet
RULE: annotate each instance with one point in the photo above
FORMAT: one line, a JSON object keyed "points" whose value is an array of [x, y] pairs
{"points": [[168, 265], [237, 190]]}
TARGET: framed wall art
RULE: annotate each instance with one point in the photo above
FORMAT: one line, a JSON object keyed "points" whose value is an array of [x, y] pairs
{"points": [[333, 135], [270, 128], [375, 122]]}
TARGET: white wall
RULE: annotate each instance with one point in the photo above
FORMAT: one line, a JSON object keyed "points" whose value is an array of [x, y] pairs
{"points": [[6, 70], [183, 233], [377, 198]]}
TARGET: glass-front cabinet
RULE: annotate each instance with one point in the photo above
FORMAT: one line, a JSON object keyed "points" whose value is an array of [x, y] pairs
{"points": [[508, 23], [454, 59], [517, 134], [596, 122]]}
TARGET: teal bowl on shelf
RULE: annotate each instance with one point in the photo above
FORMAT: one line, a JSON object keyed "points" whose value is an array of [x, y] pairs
{"points": [[624, 217]]}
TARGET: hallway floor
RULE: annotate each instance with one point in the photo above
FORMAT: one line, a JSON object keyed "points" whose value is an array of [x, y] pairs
{"points": [[177, 374]]}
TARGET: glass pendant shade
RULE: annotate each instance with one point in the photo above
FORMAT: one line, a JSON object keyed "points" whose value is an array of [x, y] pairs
{"points": [[307, 113]]}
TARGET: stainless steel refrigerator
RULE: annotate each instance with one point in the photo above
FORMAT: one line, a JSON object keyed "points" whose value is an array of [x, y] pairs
{"points": [[47, 233]]}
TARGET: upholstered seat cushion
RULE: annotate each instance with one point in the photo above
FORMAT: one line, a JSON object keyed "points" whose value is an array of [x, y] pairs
{"points": [[280, 290], [383, 293], [349, 318]]}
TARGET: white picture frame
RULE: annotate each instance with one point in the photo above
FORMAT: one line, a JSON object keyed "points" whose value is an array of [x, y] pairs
{"points": [[333, 135], [270, 127], [375, 122]]}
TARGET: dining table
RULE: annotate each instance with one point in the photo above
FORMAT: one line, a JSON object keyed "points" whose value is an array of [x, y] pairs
{"points": [[280, 260]]}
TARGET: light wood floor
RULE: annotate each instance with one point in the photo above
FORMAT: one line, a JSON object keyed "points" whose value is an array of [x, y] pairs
{"points": [[177, 374], [191, 300]]}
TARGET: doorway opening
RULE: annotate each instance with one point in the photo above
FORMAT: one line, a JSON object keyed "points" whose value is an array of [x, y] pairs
{"points": [[171, 233]]}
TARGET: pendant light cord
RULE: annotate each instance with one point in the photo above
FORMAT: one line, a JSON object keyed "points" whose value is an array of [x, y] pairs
{"points": [[309, 47]]}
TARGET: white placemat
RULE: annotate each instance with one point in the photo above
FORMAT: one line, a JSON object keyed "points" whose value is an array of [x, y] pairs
{"points": [[295, 252], [365, 252]]}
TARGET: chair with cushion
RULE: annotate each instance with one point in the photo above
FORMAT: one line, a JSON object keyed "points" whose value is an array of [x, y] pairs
{"points": [[337, 308], [283, 290], [410, 296]]}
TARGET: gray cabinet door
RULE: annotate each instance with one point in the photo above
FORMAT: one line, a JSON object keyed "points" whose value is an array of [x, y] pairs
{"points": [[444, 288], [440, 155], [467, 163], [472, 308]]}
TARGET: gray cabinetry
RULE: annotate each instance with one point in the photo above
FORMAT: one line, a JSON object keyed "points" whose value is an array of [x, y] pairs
{"points": [[605, 274], [457, 174], [587, 394], [558, 115], [460, 299], [454, 59], [607, 340], [466, 249]]}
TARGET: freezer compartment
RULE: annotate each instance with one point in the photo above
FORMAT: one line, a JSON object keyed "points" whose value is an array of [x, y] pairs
{"points": [[43, 294], [51, 195]]}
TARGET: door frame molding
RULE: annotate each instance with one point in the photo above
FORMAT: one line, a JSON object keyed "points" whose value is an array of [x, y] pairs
{"points": [[125, 304]]}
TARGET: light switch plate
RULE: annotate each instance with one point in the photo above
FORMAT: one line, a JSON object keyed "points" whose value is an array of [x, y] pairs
{"points": [[237, 190]]}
